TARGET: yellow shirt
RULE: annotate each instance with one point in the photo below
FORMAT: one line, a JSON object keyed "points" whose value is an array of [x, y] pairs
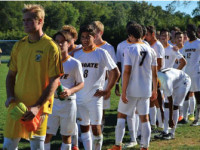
{"points": [[35, 63]]}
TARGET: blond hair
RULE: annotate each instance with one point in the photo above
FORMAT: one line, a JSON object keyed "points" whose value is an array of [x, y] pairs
{"points": [[38, 10], [71, 30], [98, 25]]}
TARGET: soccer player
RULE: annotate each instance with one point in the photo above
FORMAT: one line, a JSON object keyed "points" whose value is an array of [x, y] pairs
{"points": [[170, 54], [159, 49], [173, 32], [140, 69], [191, 51], [99, 30], [33, 76], [175, 85], [72, 31], [64, 109], [90, 99]]}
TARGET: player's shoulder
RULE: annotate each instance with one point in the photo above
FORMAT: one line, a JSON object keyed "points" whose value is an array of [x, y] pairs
{"points": [[122, 43]]}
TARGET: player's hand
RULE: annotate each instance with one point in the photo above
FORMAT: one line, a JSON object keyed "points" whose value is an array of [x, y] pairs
{"points": [[117, 92], [9, 101], [171, 123], [31, 113], [175, 48], [65, 93], [154, 96], [124, 99], [104, 93]]}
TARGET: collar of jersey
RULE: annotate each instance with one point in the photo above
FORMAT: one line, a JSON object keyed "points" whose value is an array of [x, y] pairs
{"points": [[130, 42], [66, 58], [104, 42], [153, 43], [167, 45], [192, 41], [88, 51]]}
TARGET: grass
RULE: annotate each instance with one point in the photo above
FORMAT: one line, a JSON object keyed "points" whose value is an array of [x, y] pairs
{"points": [[187, 137]]}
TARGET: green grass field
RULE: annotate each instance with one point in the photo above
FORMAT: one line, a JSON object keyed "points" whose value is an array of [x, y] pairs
{"points": [[187, 138]]}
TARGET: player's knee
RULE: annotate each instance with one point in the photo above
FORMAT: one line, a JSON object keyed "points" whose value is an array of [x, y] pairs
{"points": [[144, 118], [66, 139], [96, 130], [48, 138], [121, 115], [84, 128]]}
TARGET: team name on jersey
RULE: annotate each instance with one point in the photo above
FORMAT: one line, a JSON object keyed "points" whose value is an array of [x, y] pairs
{"points": [[190, 50], [90, 65], [65, 76]]}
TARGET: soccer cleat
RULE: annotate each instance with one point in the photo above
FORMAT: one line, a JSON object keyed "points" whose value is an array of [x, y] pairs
{"points": [[180, 118], [195, 123], [116, 147], [75, 148], [160, 136], [168, 136], [130, 144], [159, 129], [191, 117], [183, 121]]}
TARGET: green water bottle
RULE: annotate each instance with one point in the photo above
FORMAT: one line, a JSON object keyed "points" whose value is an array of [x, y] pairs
{"points": [[59, 90]]}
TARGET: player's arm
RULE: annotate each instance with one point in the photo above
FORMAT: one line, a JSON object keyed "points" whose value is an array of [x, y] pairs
{"points": [[117, 91], [171, 122], [126, 77], [183, 62], [46, 95], [155, 82], [160, 63], [10, 84]]}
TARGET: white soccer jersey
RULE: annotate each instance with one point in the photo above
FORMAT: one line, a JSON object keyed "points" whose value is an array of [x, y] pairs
{"points": [[78, 47], [121, 48], [141, 57], [160, 52], [191, 51], [110, 49], [93, 63], [72, 72], [171, 56], [171, 79]]}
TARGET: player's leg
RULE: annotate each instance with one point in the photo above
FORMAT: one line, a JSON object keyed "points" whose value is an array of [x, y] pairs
{"points": [[192, 105], [152, 114], [10, 144]]}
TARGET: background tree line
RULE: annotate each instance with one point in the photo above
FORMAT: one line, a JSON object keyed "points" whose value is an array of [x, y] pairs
{"points": [[114, 15]]}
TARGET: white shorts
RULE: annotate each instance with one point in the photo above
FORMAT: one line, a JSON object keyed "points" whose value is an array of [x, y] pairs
{"points": [[106, 103], [195, 84], [91, 112], [63, 115], [139, 103]]}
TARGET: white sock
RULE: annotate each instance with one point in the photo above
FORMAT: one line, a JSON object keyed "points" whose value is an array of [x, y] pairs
{"points": [[192, 104], [131, 127], [180, 110], [11, 144], [197, 112], [65, 146], [146, 134], [159, 116], [175, 119], [139, 128], [153, 115], [87, 141], [97, 142], [47, 146], [185, 109], [137, 120], [75, 137], [37, 142], [119, 131], [166, 119]]}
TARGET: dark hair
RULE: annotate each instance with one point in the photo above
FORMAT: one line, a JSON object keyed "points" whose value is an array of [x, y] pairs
{"points": [[178, 33], [151, 29], [88, 28], [164, 30], [135, 30], [175, 29], [144, 30], [192, 27], [64, 34]]}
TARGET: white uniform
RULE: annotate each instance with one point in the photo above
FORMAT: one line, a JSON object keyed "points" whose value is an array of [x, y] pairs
{"points": [[174, 83], [110, 49], [191, 51], [64, 112], [160, 52], [171, 56], [94, 64], [170, 42], [141, 57]]}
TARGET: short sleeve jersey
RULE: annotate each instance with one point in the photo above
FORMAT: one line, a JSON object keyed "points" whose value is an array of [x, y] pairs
{"points": [[171, 56], [141, 58], [191, 51], [35, 63], [160, 52], [110, 49], [94, 63], [73, 73], [170, 79]]}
